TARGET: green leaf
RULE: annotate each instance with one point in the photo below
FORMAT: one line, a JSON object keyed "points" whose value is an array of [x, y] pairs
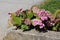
{"points": [[54, 28], [57, 14], [58, 26], [23, 15], [24, 27], [29, 14], [17, 20]]}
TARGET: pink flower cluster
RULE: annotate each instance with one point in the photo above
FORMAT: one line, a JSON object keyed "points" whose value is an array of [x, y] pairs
{"points": [[37, 22], [40, 18], [45, 16]]}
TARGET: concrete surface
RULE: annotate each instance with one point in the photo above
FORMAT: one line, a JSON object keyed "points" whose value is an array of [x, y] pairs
{"points": [[7, 6]]}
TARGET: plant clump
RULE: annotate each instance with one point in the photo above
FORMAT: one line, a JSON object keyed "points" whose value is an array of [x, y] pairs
{"points": [[35, 18]]}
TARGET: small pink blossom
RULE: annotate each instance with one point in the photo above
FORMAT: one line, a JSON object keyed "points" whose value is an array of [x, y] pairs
{"points": [[35, 9], [41, 13], [48, 14], [18, 12], [36, 22], [44, 18], [41, 26], [27, 21]]}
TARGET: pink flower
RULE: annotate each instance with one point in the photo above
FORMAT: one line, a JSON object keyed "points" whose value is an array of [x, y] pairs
{"points": [[35, 9], [44, 15], [36, 22], [27, 21], [41, 26], [52, 18], [48, 14], [41, 13], [44, 18], [18, 12]]}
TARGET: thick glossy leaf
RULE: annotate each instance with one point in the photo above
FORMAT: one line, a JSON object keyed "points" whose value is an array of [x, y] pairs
{"points": [[17, 20], [29, 14], [24, 27], [57, 14]]}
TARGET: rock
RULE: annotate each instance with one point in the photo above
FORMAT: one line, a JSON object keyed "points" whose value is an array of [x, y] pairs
{"points": [[32, 35]]}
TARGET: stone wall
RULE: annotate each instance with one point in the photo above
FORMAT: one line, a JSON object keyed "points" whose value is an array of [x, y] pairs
{"points": [[32, 35]]}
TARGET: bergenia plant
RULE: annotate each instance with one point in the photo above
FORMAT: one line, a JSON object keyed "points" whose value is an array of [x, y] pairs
{"points": [[42, 18]]}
